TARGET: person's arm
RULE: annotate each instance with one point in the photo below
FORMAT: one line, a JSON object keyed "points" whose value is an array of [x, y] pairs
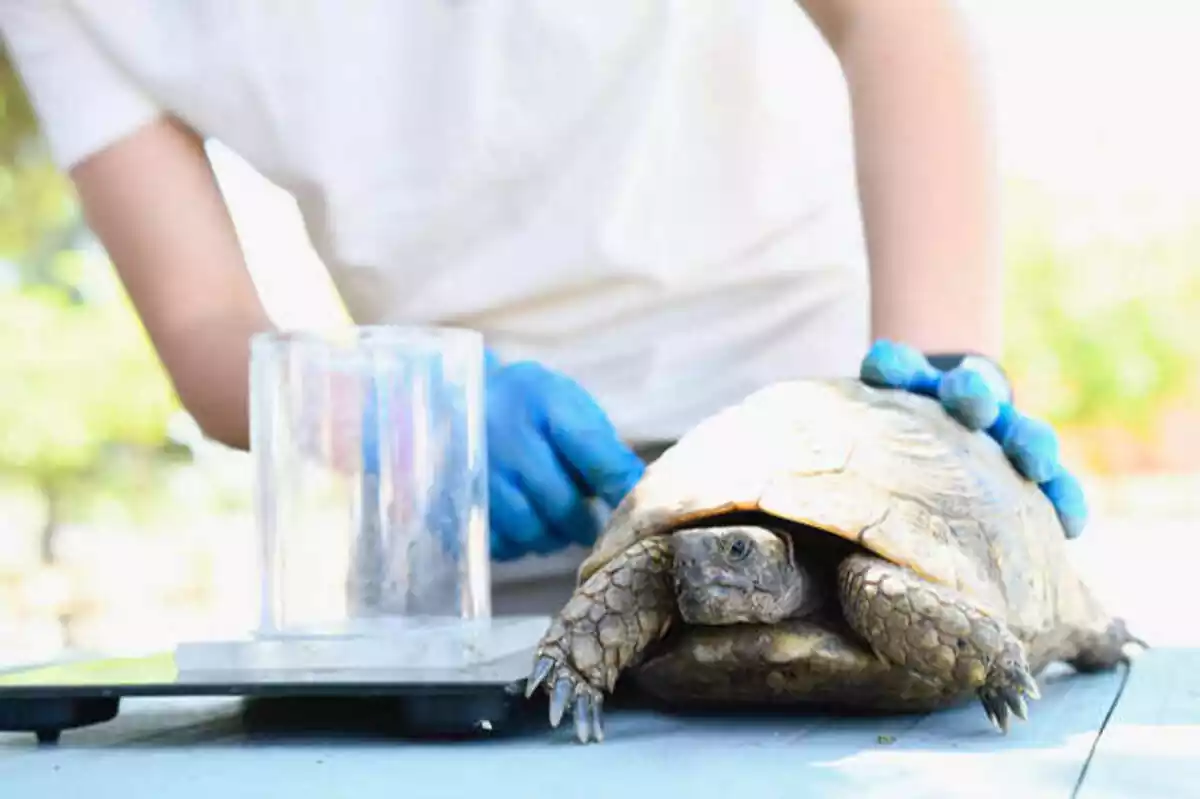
{"points": [[925, 171], [148, 193], [152, 200], [927, 182]]}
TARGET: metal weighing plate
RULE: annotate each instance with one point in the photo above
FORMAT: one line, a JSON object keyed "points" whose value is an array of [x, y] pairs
{"points": [[420, 676]]}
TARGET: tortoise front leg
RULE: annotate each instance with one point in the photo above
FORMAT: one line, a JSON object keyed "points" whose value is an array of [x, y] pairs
{"points": [[936, 633], [604, 629]]}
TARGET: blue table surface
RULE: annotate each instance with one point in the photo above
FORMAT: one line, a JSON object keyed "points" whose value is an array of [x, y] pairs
{"points": [[1131, 732]]}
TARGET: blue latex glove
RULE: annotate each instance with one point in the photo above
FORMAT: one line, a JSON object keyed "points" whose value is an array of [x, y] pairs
{"points": [[551, 449], [982, 403]]}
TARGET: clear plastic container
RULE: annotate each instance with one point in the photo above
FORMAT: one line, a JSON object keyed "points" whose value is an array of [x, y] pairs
{"points": [[371, 493]]}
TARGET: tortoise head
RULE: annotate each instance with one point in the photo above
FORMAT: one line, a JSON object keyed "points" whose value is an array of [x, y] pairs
{"points": [[737, 575]]}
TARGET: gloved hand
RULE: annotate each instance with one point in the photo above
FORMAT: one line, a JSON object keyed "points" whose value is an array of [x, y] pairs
{"points": [[982, 401], [551, 449]]}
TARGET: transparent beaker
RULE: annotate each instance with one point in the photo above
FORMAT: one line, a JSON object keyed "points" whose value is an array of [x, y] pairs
{"points": [[371, 476]]}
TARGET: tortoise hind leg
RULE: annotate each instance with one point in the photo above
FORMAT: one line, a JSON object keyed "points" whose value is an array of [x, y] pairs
{"points": [[1102, 650], [1089, 638], [936, 633], [604, 629]]}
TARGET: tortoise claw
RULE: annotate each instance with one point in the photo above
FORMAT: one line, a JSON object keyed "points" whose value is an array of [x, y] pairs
{"points": [[1005, 692], [1005, 698], [991, 716], [588, 723], [598, 719], [1019, 708], [541, 670], [997, 713], [1027, 685], [568, 689], [563, 691]]}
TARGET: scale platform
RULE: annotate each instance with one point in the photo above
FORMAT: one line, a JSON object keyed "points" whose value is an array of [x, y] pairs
{"points": [[423, 677]]}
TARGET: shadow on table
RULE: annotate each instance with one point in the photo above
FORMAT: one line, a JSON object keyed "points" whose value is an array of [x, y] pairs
{"points": [[1149, 746], [1071, 705]]}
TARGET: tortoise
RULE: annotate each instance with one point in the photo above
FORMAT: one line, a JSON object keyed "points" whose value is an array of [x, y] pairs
{"points": [[833, 543]]}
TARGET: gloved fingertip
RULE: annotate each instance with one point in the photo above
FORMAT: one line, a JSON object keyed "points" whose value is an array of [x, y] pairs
{"points": [[613, 487], [992, 374], [1073, 526], [1066, 494], [966, 396], [890, 364], [1032, 446], [883, 366]]}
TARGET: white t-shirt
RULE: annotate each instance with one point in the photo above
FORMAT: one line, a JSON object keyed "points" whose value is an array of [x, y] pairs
{"points": [[654, 196]]}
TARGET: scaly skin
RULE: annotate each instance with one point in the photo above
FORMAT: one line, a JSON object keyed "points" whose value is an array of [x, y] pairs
{"points": [[604, 629], [936, 633]]}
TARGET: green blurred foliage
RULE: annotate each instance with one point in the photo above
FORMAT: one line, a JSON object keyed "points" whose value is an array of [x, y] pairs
{"points": [[85, 402], [78, 377], [1100, 309], [38, 213]]}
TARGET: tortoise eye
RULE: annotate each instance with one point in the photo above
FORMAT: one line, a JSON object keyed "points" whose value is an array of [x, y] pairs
{"points": [[739, 548]]}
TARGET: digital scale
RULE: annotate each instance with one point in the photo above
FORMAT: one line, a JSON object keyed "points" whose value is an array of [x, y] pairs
{"points": [[371, 510], [407, 676]]}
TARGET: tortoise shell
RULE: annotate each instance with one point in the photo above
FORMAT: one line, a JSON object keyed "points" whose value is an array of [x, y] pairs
{"points": [[888, 469]]}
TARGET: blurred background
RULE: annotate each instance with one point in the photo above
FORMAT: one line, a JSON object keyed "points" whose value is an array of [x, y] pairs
{"points": [[121, 528]]}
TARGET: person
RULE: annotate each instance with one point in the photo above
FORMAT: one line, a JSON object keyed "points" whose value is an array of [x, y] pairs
{"points": [[649, 208]]}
